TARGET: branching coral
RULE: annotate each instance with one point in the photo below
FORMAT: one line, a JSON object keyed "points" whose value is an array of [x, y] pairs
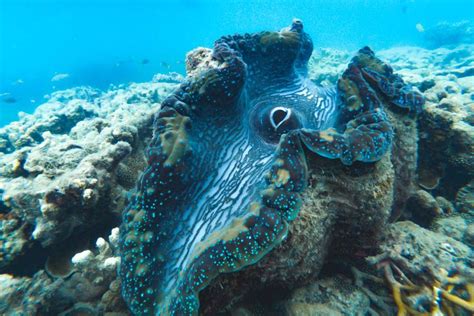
{"points": [[438, 292]]}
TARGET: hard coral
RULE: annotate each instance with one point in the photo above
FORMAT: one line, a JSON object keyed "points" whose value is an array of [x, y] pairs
{"points": [[444, 294], [424, 272]]}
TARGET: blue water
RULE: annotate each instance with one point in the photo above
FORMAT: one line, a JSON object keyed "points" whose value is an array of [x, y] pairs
{"points": [[103, 42]]}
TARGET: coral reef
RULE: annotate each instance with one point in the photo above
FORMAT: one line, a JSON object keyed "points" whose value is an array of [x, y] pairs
{"points": [[326, 65], [90, 287], [446, 162], [449, 33], [443, 163], [424, 272], [54, 273], [67, 168]]}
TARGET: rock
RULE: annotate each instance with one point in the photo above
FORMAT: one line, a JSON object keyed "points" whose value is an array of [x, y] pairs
{"points": [[90, 290], [417, 249], [335, 295], [453, 226], [404, 158], [446, 162], [9, 291], [469, 235], [327, 64], [423, 208], [344, 211], [330, 296], [465, 198], [446, 130], [449, 33], [445, 205]]}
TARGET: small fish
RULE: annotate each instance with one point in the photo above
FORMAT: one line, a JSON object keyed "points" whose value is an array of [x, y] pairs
{"points": [[405, 5], [4, 94], [145, 61], [59, 77], [165, 65], [420, 28], [18, 82], [9, 100]]}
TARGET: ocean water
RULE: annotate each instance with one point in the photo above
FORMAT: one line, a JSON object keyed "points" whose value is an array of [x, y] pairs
{"points": [[103, 42], [104, 213]]}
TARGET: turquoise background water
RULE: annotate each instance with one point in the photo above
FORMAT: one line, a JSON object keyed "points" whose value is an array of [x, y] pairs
{"points": [[99, 42]]}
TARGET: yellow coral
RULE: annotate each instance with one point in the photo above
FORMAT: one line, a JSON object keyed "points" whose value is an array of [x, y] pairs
{"points": [[445, 291]]}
